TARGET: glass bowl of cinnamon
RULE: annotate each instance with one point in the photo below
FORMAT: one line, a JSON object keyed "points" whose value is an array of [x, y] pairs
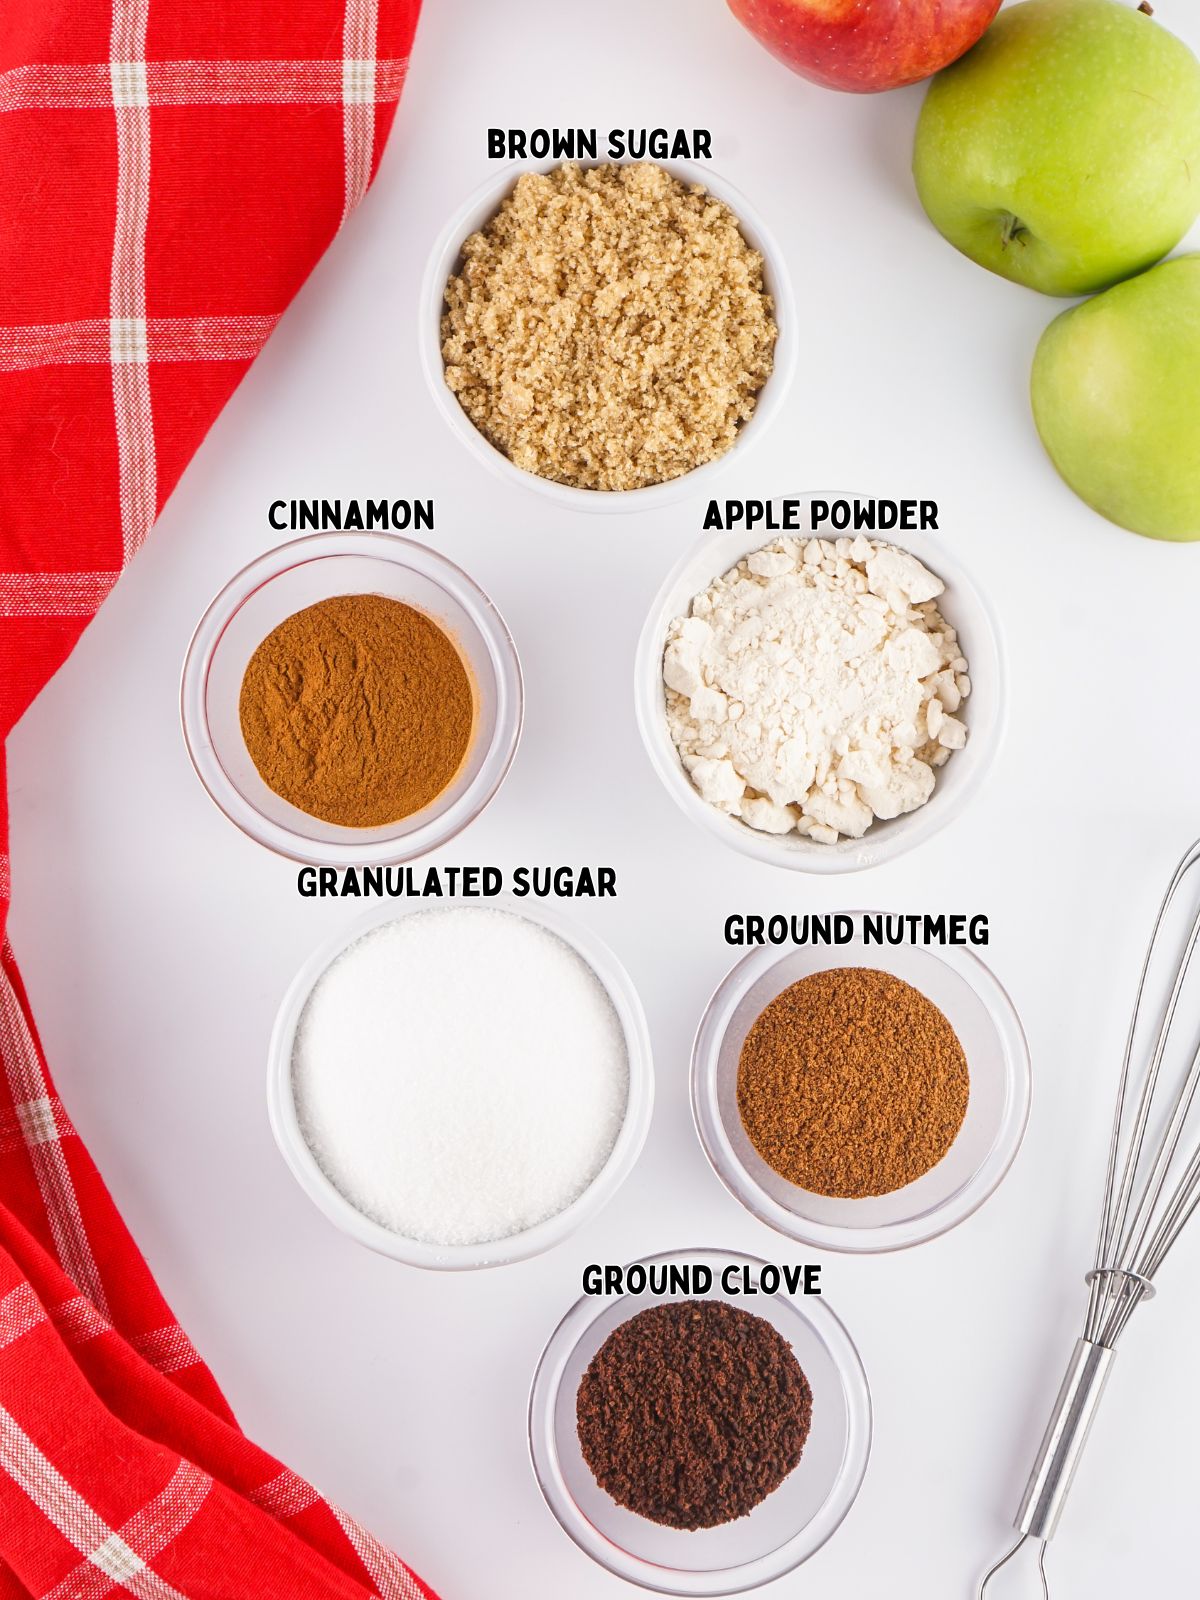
{"points": [[351, 699]]}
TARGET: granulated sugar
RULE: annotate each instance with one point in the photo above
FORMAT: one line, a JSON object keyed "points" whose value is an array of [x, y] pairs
{"points": [[460, 1075]]}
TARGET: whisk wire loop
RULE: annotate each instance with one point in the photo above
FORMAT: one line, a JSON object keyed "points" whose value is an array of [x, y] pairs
{"points": [[981, 1592], [1136, 1231], [1151, 1192]]}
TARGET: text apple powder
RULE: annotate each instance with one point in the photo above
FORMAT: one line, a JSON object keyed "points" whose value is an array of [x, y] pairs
{"points": [[813, 687], [460, 1075]]}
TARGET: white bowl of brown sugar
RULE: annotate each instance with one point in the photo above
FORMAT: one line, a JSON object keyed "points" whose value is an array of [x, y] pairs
{"points": [[609, 334]]}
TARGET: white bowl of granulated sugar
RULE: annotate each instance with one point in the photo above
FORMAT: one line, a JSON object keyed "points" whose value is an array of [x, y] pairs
{"points": [[461, 1085], [814, 708]]}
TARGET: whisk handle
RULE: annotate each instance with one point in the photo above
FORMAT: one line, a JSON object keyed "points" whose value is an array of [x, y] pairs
{"points": [[1064, 1439]]}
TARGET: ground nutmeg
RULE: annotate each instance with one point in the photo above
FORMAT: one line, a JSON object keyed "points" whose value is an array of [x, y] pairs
{"points": [[852, 1083], [692, 1412], [358, 710]]}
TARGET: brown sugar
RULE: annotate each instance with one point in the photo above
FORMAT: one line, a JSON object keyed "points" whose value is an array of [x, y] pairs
{"points": [[692, 1412], [358, 710], [852, 1083], [609, 328]]}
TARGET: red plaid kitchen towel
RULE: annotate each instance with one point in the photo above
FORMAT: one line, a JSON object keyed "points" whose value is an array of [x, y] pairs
{"points": [[170, 171]]}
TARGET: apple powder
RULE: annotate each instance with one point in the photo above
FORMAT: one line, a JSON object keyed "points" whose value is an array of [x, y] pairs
{"points": [[814, 687], [609, 328]]}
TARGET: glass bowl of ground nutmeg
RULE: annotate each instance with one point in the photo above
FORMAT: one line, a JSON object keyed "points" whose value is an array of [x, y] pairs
{"points": [[863, 1101], [704, 1432], [608, 334], [351, 699]]}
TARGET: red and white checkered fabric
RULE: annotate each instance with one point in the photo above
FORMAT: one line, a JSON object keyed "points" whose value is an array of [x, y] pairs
{"points": [[170, 172]]}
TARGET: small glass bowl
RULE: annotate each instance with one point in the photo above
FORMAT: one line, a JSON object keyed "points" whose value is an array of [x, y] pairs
{"points": [[784, 1529], [300, 574], [983, 1017], [446, 259], [963, 775], [285, 1124]]}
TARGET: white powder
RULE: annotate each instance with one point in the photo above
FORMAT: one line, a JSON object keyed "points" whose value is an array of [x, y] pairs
{"points": [[813, 687], [460, 1075]]}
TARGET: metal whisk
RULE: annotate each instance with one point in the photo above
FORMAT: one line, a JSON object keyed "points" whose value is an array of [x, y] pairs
{"points": [[1151, 1190]]}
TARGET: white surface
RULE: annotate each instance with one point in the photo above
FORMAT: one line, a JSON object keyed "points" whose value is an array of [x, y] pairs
{"points": [[157, 941]]}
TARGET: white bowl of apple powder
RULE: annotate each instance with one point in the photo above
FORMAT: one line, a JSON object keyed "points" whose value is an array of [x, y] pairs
{"points": [[822, 703], [463, 1085]]}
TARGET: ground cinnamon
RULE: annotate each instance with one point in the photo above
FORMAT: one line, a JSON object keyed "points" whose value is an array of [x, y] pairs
{"points": [[852, 1083], [358, 710], [692, 1412]]}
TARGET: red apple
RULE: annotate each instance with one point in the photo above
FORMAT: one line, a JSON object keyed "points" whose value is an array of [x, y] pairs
{"points": [[865, 45]]}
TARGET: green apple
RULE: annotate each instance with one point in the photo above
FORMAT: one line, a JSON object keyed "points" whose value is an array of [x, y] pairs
{"points": [[1116, 399], [1063, 150]]}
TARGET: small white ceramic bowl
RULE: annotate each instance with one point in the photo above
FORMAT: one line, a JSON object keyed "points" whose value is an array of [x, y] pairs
{"points": [[285, 1124], [962, 776], [784, 1529], [993, 1041], [446, 260], [300, 574]]}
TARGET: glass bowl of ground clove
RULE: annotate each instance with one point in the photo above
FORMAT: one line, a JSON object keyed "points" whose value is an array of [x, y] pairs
{"points": [[863, 1100], [351, 699], [702, 1431]]}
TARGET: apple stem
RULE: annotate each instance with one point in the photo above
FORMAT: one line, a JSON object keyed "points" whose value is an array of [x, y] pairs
{"points": [[1146, 8], [1011, 228]]}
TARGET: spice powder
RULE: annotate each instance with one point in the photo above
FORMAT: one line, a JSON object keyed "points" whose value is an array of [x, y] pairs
{"points": [[692, 1412], [852, 1083], [358, 710]]}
